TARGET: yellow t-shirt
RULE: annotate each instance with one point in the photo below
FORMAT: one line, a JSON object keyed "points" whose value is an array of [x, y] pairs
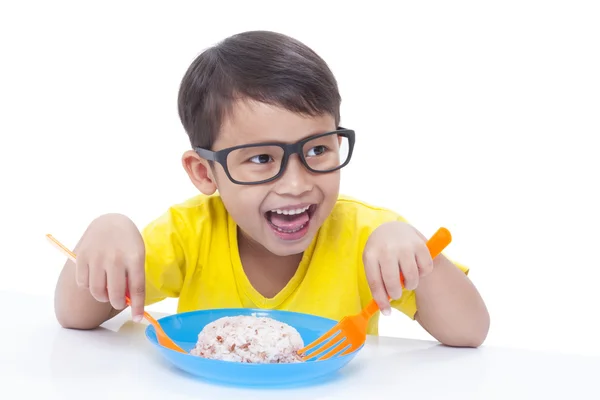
{"points": [[192, 254]]}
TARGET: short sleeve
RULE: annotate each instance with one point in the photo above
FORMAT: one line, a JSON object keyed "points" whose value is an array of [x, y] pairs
{"points": [[407, 304], [165, 257]]}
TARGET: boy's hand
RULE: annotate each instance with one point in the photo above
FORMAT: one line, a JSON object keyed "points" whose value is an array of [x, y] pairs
{"points": [[110, 263], [392, 248]]}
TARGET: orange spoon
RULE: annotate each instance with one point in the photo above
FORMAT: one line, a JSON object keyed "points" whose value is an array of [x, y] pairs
{"points": [[162, 337], [352, 330]]}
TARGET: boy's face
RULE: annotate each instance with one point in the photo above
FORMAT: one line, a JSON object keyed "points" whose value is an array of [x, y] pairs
{"points": [[283, 215]]}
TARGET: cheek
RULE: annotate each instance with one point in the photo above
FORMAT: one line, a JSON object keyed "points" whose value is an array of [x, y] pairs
{"points": [[242, 202], [330, 183]]}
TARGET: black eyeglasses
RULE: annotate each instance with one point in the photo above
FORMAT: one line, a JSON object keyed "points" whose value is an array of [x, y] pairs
{"points": [[253, 164]]}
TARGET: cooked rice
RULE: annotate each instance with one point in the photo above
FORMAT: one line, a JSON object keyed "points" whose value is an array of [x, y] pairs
{"points": [[249, 339]]}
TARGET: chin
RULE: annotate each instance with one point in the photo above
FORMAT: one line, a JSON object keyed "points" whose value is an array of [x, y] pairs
{"points": [[290, 249], [288, 252]]}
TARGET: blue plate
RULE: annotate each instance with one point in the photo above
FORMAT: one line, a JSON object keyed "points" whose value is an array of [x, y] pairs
{"points": [[184, 328]]}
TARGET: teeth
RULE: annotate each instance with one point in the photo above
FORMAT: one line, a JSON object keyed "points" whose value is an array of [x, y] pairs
{"points": [[290, 212], [290, 231]]}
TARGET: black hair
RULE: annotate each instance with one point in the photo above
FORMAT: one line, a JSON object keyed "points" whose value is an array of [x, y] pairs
{"points": [[264, 66]]}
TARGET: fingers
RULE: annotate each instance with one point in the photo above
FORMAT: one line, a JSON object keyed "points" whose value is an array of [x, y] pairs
{"points": [[424, 260], [110, 252], [136, 282], [375, 281], [116, 286], [97, 282], [393, 251], [408, 266], [82, 273], [390, 273], [109, 278]]}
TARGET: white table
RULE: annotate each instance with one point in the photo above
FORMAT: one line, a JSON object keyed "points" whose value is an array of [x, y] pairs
{"points": [[38, 357]]}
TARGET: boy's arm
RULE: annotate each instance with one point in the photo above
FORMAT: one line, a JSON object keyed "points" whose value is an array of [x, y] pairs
{"points": [[450, 307]]}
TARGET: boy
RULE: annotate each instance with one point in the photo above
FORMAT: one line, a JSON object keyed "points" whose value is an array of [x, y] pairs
{"points": [[269, 229]]}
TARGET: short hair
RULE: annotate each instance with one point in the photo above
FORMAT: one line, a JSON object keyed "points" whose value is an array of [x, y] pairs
{"points": [[263, 66]]}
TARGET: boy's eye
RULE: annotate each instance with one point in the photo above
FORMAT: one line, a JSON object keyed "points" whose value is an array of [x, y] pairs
{"points": [[316, 151], [261, 159]]}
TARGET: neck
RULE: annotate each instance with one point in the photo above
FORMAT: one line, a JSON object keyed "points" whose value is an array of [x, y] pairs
{"points": [[264, 259]]}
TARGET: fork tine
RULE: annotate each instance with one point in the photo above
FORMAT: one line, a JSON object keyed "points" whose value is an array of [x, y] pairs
{"points": [[324, 337], [349, 350], [333, 340], [342, 344]]}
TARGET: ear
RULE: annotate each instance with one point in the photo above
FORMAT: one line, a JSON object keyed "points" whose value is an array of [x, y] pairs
{"points": [[199, 172]]}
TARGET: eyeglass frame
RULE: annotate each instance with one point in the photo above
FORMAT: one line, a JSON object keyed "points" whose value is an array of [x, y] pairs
{"points": [[220, 156]]}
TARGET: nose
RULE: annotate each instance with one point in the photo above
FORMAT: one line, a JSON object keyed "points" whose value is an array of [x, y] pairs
{"points": [[296, 180]]}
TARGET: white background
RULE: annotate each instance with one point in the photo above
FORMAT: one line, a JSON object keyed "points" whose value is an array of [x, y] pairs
{"points": [[477, 116]]}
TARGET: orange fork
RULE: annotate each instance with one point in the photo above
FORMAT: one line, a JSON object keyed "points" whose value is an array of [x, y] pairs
{"points": [[351, 332], [162, 337]]}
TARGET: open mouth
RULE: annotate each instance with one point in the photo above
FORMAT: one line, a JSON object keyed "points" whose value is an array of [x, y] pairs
{"points": [[290, 222]]}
